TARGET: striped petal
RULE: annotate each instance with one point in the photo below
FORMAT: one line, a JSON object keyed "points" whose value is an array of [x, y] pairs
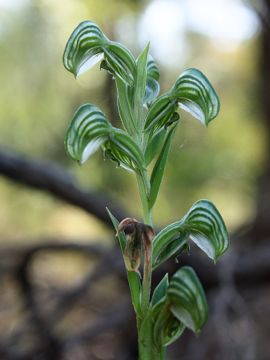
{"points": [[84, 48], [88, 45], [152, 69], [193, 93], [152, 85], [206, 228], [160, 113], [203, 224], [120, 61], [124, 150], [168, 243], [88, 130], [166, 327], [187, 299], [196, 95]]}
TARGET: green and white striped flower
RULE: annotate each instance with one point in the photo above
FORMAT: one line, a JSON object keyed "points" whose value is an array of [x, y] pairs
{"points": [[88, 45], [196, 95], [152, 85], [88, 130], [191, 92], [187, 299], [203, 225]]}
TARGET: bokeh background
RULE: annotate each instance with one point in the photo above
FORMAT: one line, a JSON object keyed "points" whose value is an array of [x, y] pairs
{"points": [[63, 289]]}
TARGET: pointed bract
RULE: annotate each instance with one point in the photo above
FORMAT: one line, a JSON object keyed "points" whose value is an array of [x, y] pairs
{"points": [[158, 170], [152, 85]]}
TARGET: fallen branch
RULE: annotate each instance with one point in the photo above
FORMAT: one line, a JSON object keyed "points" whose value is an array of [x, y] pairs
{"points": [[52, 178]]}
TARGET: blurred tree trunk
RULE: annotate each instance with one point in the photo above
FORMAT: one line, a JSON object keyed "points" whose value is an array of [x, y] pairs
{"points": [[261, 227]]}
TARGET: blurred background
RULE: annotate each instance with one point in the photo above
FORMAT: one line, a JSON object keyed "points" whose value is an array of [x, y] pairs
{"points": [[63, 289]]}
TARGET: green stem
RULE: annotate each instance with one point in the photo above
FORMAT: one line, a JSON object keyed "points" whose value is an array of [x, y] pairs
{"points": [[144, 190], [147, 279], [147, 349]]}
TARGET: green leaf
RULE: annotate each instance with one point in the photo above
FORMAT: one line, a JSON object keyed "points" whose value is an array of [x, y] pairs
{"points": [[125, 107], [135, 286], [141, 73], [160, 112], [84, 48], [196, 95], [203, 224], [152, 85], [88, 130], [160, 291], [187, 299], [154, 145], [121, 237], [139, 88], [125, 150], [158, 170]]}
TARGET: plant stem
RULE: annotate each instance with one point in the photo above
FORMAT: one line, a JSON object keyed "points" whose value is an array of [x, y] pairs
{"points": [[147, 349], [147, 279], [144, 190]]}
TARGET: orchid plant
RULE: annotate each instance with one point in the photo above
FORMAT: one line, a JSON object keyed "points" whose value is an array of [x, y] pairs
{"points": [[142, 145]]}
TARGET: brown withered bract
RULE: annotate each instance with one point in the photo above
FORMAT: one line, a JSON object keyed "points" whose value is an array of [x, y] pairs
{"points": [[148, 235], [139, 237]]}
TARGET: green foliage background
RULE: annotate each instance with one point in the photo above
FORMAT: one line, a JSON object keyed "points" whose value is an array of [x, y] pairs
{"points": [[38, 98]]}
